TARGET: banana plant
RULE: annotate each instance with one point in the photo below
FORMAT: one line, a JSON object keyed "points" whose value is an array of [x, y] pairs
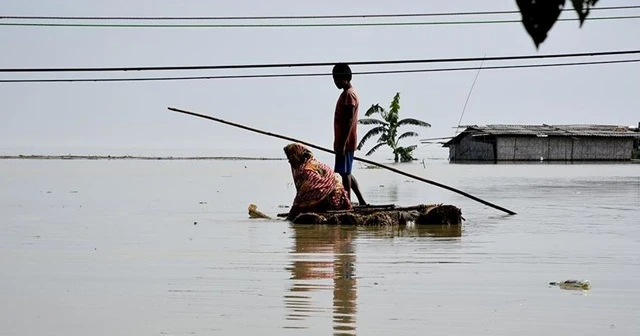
{"points": [[387, 127]]}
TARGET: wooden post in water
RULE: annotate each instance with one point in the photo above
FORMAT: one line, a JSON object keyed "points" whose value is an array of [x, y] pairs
{"points": [[355, 158]]}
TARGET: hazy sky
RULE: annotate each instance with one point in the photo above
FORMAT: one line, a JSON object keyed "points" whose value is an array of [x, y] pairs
{"points": [[131, 117]]}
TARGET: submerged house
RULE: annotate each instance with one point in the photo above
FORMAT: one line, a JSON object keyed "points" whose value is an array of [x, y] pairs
{"points": [[544, 142]]}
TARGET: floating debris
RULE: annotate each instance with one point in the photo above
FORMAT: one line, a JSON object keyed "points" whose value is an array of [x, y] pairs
{"points": [[572, 284], [385, 215], [254, 213]]}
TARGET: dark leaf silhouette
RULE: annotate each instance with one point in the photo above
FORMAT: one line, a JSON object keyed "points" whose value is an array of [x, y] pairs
{"points": [[583, 7], [371, 121], [414, 122], [374, 109], [371, 133], [539, 16], [375, 148], [408, 135]]}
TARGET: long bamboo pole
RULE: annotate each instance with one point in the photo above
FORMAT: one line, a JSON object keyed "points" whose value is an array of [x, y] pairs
{"points": [[355, 158]]}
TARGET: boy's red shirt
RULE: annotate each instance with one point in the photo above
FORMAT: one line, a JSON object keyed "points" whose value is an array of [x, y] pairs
{"points": [[348, 97]]}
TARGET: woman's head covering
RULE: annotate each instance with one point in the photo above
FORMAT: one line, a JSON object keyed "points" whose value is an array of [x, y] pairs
{"points": [[297, 154]]}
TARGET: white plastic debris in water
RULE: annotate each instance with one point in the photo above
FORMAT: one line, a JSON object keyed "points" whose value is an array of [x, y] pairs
{"points": [[573, 284]]}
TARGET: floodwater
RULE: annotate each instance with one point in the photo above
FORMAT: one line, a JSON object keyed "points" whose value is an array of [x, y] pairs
{"points": [[128, 247]]}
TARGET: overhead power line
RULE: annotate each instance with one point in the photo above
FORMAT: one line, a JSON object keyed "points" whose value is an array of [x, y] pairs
{"points": [[322, 64], [293, 25], [147, 79], [287, 17]]}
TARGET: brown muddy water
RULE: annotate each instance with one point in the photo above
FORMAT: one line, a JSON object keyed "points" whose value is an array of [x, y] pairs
{"points": [[166, 248]]}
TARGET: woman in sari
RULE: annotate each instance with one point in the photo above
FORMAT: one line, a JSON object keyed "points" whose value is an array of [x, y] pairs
{"points": [[318, 188]]}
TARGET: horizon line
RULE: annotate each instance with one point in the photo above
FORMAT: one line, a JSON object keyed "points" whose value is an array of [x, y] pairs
{"points": [[132, 157]]}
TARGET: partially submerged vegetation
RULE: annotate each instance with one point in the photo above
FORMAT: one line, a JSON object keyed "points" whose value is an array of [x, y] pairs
{"points": [[388, 129]]}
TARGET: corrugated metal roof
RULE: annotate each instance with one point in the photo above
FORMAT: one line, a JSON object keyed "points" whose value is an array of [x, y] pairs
{"points": [[555, 130], [577, 130]]}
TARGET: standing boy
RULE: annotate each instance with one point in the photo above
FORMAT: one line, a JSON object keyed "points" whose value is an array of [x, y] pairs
{"points": [[345, 123]]}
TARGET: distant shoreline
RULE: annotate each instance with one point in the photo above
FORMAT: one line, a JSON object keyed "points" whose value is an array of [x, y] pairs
{"points": [[133, 157]]}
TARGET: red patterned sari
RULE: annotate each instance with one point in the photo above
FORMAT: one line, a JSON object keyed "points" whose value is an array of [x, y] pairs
{"points": [[318, 188]]}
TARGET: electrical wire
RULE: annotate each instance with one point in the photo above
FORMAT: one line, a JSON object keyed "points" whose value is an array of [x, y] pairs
{"points": [[321, 64], [469, 95], [290, 17], [294, 25], [59, 80]]}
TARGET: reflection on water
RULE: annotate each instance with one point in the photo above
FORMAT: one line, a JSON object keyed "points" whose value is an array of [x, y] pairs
{"points": [[127, 248], [323, 260], [437, 231]]}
